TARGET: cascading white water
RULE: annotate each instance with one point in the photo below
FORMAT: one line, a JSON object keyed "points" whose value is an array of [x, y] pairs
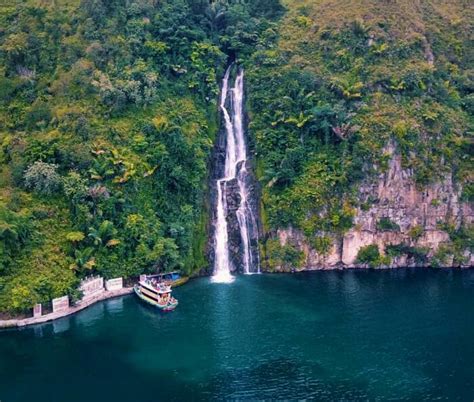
{"points": [[234, 168]]}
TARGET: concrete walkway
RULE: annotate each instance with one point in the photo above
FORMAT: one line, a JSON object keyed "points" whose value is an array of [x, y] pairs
{"points": [[71, 310]]}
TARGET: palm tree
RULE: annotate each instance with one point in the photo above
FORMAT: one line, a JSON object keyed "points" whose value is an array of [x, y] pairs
{"points": [[103, 235], [83, 259], [349, 88], [323, 115], [101, 170]]}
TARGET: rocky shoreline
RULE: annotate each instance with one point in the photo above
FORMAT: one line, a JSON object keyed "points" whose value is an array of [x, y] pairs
{"points": [[356, 267]]}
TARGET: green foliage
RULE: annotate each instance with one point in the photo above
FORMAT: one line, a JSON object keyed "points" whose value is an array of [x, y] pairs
{"points": [[15, 231], [461, 241], [462, 237], [359, 28], [285, 257], [415, 232], [370, 256], [340, 85], [468, 192], [322, 244], [108, 114], [43, 178], [75, 236], [83, 260], [419, 254], [41, 274], [442, 256], [386, 224], [103, 235]]}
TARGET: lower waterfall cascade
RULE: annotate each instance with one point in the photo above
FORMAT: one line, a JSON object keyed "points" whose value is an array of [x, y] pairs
{"points": [[235, 177]]}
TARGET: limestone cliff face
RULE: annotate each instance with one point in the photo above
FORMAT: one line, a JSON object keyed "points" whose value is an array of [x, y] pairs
{"points": [[394, 196]]}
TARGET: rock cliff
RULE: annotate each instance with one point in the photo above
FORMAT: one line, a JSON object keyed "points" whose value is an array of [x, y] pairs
{"points": [[414, 218]]}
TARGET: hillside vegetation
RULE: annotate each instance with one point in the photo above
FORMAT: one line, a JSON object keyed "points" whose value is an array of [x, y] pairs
{"points": [[343, 81], [108, 115], [107, 118]]}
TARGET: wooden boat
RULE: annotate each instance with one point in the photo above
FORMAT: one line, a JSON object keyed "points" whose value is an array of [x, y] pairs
{"points": [[157, 294]]}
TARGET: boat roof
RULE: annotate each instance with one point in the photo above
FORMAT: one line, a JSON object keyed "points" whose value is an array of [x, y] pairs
{"points": [[163, 274], [154, 289]]}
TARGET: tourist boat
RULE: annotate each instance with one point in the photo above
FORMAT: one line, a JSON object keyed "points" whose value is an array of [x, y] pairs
{"points": [[158, 294]]}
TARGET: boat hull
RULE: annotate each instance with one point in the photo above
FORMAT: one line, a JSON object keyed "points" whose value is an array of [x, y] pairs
{"points": [[180, 281], [150, 301]]}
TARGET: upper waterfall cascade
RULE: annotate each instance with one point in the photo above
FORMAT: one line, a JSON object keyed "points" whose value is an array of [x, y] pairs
{"points": [[235, 169]]}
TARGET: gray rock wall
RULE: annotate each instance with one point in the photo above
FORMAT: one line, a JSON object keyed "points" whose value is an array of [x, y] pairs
{"points": [[394, 196]]}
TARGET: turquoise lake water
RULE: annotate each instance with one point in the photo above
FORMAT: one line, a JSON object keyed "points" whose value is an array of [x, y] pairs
{"points": [[352, 335]]}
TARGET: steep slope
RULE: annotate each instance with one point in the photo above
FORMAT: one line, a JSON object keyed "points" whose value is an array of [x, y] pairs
{"points": [[104, 148], [362, 114], [360, 120], [108, 114]]}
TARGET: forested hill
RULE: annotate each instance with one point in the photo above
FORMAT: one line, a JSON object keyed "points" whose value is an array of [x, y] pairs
{"points": [[108, 115], [362, 115], [107, 119]]}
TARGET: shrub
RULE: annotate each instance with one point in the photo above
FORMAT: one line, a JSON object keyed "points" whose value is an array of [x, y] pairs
{"points": [[287, 257], [386, 224], [322, 244], [468, 192], [15, 231], [74, 186], [42, 177], [75, 237], [415, 232], [441, 257], [419, 254], [358, 27], [368, 254], [462, 240], [39, 115]]}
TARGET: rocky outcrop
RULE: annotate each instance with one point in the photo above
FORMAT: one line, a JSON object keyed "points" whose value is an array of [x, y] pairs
{"points": [[416, 216]]}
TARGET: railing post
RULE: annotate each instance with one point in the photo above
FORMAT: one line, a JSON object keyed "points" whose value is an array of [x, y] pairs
{"points": [[37, 310]]}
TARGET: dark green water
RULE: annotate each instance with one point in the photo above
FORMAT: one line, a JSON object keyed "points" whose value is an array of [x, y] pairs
{"points": [[354, 335]]}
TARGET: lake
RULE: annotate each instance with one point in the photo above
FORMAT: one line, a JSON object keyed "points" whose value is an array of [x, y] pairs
{"points": [[353, 335]]}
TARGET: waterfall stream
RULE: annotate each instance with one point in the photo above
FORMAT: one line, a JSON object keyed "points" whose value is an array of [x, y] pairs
{"points": [[235, 172]]}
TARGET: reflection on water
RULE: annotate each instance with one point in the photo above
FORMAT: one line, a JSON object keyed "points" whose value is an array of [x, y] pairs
{"points": [[38, 331], [91, 315], [114, 305], [61, 325], [354, 335]]}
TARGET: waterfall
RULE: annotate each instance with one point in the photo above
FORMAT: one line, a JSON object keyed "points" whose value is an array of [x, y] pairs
{"points": [[235, 178]]}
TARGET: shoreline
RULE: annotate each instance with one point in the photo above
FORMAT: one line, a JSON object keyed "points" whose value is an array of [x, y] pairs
{"points": [[23, 322], [365, 267], [81, 305]]}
